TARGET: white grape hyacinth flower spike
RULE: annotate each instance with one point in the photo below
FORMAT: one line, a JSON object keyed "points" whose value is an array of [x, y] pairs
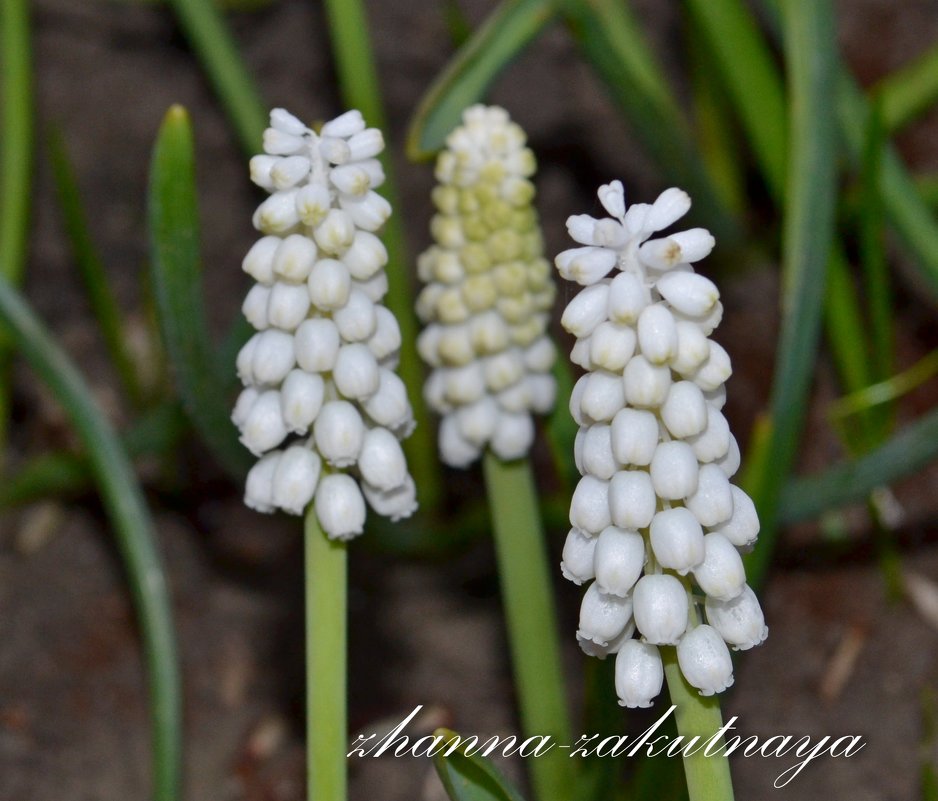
{"points": [[322, 407], [487, 295], [657, 527]]}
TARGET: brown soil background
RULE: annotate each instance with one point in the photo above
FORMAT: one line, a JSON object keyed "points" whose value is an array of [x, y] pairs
{"points": [[72, 707]]}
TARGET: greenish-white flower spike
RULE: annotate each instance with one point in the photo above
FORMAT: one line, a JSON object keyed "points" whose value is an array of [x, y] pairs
{"points": [[322, 408], [654, 513], [488, 293]]}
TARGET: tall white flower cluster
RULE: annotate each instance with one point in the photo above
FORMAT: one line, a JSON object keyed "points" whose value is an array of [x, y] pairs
{"points": [[657, 527], [321, 394], [488, 294]]}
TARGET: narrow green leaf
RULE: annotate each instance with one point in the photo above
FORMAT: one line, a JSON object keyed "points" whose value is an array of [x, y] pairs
{"points": [[469, 778], [210, 37], [910, 90], [94, 278], [808, 233], [16, 164], [908, 451], [502, 36], [610, 39], [136, 538], [886, 391], [174, 256], [358, 77]]}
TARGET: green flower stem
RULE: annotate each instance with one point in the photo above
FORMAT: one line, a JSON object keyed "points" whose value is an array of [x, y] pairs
{"points": [[708, 777], [358, 79], [136, 538], [16, 158], [531, 619], [326, 725]]}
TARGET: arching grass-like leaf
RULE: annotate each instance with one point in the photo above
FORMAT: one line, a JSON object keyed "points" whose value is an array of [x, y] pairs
{"points": [[469, 778], [136, 538], [174, 256]]}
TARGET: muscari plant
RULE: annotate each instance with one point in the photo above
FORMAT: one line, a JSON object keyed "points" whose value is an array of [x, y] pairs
{"points": [[793, 151]]}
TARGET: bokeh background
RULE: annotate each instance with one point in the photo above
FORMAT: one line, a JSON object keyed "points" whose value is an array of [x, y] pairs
{"points": [[844, 656]]}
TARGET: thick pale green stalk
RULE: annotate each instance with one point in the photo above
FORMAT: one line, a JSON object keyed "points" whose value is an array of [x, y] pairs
{"points": [[326, 725], [532, 621], [708, 777], [16, 159], [358, 79], [205, 28], [136, 538]]}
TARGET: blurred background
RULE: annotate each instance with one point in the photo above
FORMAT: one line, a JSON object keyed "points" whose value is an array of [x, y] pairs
{"points": [[851, 594]]}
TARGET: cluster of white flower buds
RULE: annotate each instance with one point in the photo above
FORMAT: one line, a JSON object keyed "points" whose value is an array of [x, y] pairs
{"points": [[488, 294], [321, 394], [654, 513]]}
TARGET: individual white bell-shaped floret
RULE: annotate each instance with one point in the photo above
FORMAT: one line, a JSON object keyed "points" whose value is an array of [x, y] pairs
{"points": [[455, 345], [287, 305], [356, 372], [705, 660], [586, 311], [294, 257], [365, 144], [283, 121], [706, 323], [589, 508], [357, 319], [677, 540], [657, 334], [600, 651], [254, 307], [301, 397], [730, 461], [386, 339], [578, 550], [260, 167], [585, 265], [716, 397], [660, 608], [243, 405], [397, 503], [634, 437], [739, 621], [683, 247], [646, 384], [632, 499], [610, 346], [684, 411], [295, 478], [273, 356], [603, 617], [713, 442], [628, 297], [542, 388], [288, 172], [689, 293], [245, 361], [339, 433], [715, 370], [313, 202], [618, 560], [345, 125], [639, 674], [503, 369], [259, 487], [264, 427], [464, 384], [277, 214], [340, 506], [674, 470], [369, 212], [329, 284], [668, 208], [381, 461], [743, 526], [603, 395], [693, 348], [259, 261], [335, 234], [365, 256], [612, 196], [513, 435], [721, 575], [389, 405], [455, 449], [712, 503], [477, 421], [597, 458], [316, 342]]}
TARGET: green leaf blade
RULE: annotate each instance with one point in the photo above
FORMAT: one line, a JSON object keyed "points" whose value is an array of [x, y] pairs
{"points": [[472, 777]]}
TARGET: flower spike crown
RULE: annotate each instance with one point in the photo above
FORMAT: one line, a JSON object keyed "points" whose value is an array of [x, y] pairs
{"points": [[321, 396], [654, 513], [488, 294]]}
